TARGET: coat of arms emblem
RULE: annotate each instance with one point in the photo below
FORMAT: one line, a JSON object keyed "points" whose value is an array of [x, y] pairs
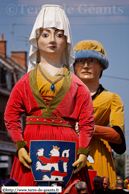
{"points": [[52, 161]]}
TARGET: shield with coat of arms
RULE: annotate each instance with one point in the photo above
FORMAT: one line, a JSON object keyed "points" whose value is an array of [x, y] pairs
{"points": [[52, 162]]}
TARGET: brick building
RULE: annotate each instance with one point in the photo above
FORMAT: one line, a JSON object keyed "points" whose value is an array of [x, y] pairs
{"points": [[11, 70]]}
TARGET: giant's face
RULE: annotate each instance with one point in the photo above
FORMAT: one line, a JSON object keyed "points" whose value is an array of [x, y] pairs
{"points": [[88, 69], [51, 41]]}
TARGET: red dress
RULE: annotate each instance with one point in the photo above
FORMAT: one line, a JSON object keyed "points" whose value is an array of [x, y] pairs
{"points": [[72, 103]]}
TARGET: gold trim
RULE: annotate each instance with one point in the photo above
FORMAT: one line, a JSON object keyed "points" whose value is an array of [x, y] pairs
{"points": [[82, 150], [20, 144]]}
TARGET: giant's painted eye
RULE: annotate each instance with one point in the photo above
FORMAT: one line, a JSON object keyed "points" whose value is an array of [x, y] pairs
{"points": [[81, 60], [60, 35], [91, 60], [45, 35]]}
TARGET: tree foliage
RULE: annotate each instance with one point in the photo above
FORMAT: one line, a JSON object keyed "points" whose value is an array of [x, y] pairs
{"points": [[120, 165]]}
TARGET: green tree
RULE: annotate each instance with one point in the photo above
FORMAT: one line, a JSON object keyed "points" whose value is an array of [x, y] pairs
{"points": [[120, 165]]}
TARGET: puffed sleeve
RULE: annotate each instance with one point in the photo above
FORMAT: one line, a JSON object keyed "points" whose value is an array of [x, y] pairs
{"points": [[117, 123], [14, 109], [86, 122]]}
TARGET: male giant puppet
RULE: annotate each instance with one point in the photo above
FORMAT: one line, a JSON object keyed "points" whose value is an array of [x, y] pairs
{"points": [[52, 97], [90, 62]]}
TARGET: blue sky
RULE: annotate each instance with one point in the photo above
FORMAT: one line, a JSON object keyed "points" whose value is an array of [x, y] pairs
{"points": [[104, 20]]}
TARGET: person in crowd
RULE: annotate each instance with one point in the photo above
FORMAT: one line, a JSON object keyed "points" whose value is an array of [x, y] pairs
{"points": [[80, 187], [51, 96], [109, 132], [119, 187], [97, 183], [105, 185], [8, 183]]}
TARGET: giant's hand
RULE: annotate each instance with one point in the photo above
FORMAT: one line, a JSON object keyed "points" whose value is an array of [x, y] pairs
{"points": [[80, 163], [24, 157]]}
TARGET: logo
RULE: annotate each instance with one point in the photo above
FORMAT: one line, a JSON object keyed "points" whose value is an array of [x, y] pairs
{"points": [[52, 162]]}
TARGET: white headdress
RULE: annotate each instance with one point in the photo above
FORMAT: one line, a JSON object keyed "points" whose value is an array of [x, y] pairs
{"points": [[51, 16]]}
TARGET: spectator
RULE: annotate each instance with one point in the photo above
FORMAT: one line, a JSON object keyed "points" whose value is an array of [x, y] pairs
{"points": [[80, 187], [9, 182], [119, 187], [105, 185], [97, 185]]}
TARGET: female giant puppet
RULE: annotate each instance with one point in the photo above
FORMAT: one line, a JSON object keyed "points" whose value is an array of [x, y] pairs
{"points": [[48, 91]]}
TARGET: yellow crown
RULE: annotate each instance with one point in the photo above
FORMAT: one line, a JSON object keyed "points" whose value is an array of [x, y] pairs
{"points": [[55, 147]]}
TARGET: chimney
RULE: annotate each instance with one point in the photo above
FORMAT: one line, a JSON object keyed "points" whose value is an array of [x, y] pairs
{"points": [[3, 46], [20, 57]]}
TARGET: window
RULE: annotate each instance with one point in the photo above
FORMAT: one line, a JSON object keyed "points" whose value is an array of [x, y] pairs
{"points": [[2, 125], [3, 83]]}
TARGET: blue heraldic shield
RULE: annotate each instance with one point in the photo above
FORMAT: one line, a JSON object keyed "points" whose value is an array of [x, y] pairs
{"points": [[52, 162]]}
